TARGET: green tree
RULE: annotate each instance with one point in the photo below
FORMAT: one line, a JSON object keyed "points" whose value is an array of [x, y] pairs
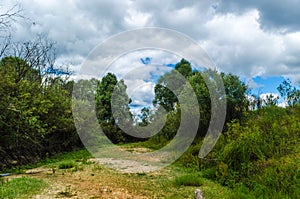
{"points": [[236, 96], [163, 95], [34, 118], [145, 116], [112, 107], [103, 98], [289, 93], [204, 101], [21, 70], [184, 67], [120, 105]]}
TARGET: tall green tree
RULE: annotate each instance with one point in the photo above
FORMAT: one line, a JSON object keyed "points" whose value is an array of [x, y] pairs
{"points": [[236, 96], [184, 67], [112, 107], [103, 98], [163, 95]]}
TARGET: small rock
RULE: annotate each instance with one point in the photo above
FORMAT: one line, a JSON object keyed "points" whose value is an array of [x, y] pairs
{"points": [[198, 194]]}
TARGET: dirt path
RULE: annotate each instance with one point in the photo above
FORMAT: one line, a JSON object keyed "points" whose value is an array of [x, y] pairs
{"points": [[98, 178], [126, 166], [93, 181]]}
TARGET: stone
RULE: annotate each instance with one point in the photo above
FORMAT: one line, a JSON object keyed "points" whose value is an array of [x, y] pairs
{"points": [[198, 194]]}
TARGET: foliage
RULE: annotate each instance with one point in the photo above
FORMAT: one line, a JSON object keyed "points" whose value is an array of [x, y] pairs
{"points": [[236, 96], [168, 84], [105, 90], [110, 114], [261, 153], [289, 93], [35, 118]]}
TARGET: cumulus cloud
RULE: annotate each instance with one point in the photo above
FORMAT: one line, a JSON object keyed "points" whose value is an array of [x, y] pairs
{"points": [[238, 44], [247, 38]]}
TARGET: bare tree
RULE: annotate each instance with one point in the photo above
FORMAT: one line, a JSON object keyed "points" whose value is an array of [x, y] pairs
{"points": [[6, 22], [35, 58]]}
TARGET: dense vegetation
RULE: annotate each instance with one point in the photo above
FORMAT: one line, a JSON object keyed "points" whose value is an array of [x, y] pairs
{"points": [[35, 109], [258, 152]]}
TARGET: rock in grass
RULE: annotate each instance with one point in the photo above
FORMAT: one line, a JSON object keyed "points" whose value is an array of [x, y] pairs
{"points": [[199, 194]]}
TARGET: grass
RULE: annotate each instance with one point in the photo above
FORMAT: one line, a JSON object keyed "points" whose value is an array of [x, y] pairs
{"points": [[66, 165], [21, 187], [189, 180], [78, 156]]}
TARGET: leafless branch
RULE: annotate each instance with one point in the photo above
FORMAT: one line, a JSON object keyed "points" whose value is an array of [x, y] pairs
{"points": [[10, 16], [6, 23]]}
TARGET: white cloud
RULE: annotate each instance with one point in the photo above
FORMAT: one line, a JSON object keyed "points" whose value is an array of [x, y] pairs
{"points": [[264, 96], [141, 92], [135, 19], [246, 38]]}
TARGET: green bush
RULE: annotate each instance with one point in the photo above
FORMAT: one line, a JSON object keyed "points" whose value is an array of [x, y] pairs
{"points": [[279, 175], [261, 152]]}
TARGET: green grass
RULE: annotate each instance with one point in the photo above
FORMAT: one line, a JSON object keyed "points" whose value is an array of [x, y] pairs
{"points": [[21, 187], [147, 144], [66, 165], [189, 180], [78, 156]]}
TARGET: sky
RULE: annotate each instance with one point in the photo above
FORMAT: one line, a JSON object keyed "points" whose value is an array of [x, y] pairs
{"points": [[258, 40]]}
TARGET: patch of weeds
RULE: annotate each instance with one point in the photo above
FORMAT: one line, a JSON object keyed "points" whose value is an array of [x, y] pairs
{"points": [[53, 169], [66, 165], [78, 168], [67, 192], [189, 180], [209, 173], [96, 168]]}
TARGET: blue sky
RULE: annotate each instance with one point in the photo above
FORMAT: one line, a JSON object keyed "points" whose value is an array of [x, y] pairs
{"points": [[267, 84]]}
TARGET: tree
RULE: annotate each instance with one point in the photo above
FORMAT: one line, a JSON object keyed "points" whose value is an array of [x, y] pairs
{"points": [[103, 98], [34, 118], [270, 100], [236, 95], [112, 107], [145, 116], [289, 93], [6, 21], [184, 67], [120, 105], [163, 95], [21, 70], [204, 101]]}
